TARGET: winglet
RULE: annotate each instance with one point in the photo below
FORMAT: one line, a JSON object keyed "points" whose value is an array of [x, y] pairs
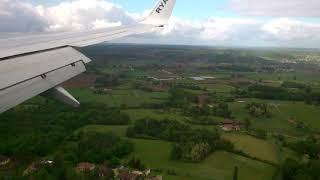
{"points": [[160, 15]]}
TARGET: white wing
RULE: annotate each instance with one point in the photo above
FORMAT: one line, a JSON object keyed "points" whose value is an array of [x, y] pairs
{"points": [[34, 64]]}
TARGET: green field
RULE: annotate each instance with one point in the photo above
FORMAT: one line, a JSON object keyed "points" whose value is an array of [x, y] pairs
{"points": [[136, 114], [118, 97], [302, 77], [117, 130], [218, 88], [219, 165], [282, 111], [254, 147]]}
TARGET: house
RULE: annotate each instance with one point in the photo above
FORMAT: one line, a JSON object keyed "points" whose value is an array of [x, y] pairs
{"points": [[104, 171], [203, 99], [35, 166], [147, 172], [154, 178], [4, 160], [127, 175], [85, 167], [230, 125], [158, 178], [137, 173], [32, 168], [46, 162]]}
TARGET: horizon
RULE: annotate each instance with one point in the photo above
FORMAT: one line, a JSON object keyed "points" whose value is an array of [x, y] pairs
{"points": [[215, 46]]}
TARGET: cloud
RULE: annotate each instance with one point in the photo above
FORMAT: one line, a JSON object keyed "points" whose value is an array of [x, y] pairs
{"points": [[213, 31], [228, 29], [84, 14], [282, 8], [18, 16], [288, 31]]}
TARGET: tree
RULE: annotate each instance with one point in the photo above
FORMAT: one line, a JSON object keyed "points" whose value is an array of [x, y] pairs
{"points": [[222, 110], [199, 151], [136, 163], [258, 109], [294, 170], [98, 147], [247, 123], [235, 173], [260, 133]]}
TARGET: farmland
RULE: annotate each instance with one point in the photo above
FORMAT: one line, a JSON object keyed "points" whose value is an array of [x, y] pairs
{"points": [[184, 112]]}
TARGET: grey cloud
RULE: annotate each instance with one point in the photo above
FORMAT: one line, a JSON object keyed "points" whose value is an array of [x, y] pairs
{"points": [[20, 17]]}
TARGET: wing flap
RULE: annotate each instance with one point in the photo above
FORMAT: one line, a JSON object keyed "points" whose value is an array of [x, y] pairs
{"points": [[23, 91], [19, 69]]}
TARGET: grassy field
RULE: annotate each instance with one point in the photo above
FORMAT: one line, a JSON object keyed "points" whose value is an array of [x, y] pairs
{"points": [[219, 165], [254, 147], [148, 113], [117, 130], [218, 88], [118, 97], [282, 111], [284, 76]]}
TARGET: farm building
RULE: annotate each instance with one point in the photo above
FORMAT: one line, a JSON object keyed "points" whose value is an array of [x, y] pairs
{"points": [[203, 99], [104, 171], [4, 160], [85, 167], [230, 125]]}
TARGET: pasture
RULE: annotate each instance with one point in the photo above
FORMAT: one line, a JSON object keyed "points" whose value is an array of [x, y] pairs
{"points": [[254, 147]]}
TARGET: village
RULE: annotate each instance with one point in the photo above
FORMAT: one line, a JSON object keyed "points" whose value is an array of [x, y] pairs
{"points": [[101, 171]]}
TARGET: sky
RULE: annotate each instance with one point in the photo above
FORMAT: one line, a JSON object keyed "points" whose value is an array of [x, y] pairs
{"points": [[254, 23]]}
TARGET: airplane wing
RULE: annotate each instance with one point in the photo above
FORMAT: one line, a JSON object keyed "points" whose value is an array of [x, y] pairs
{"points": [[34, 64]]}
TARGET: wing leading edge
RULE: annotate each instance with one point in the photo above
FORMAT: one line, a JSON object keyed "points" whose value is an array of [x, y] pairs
{"points": [[31, 65]]}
